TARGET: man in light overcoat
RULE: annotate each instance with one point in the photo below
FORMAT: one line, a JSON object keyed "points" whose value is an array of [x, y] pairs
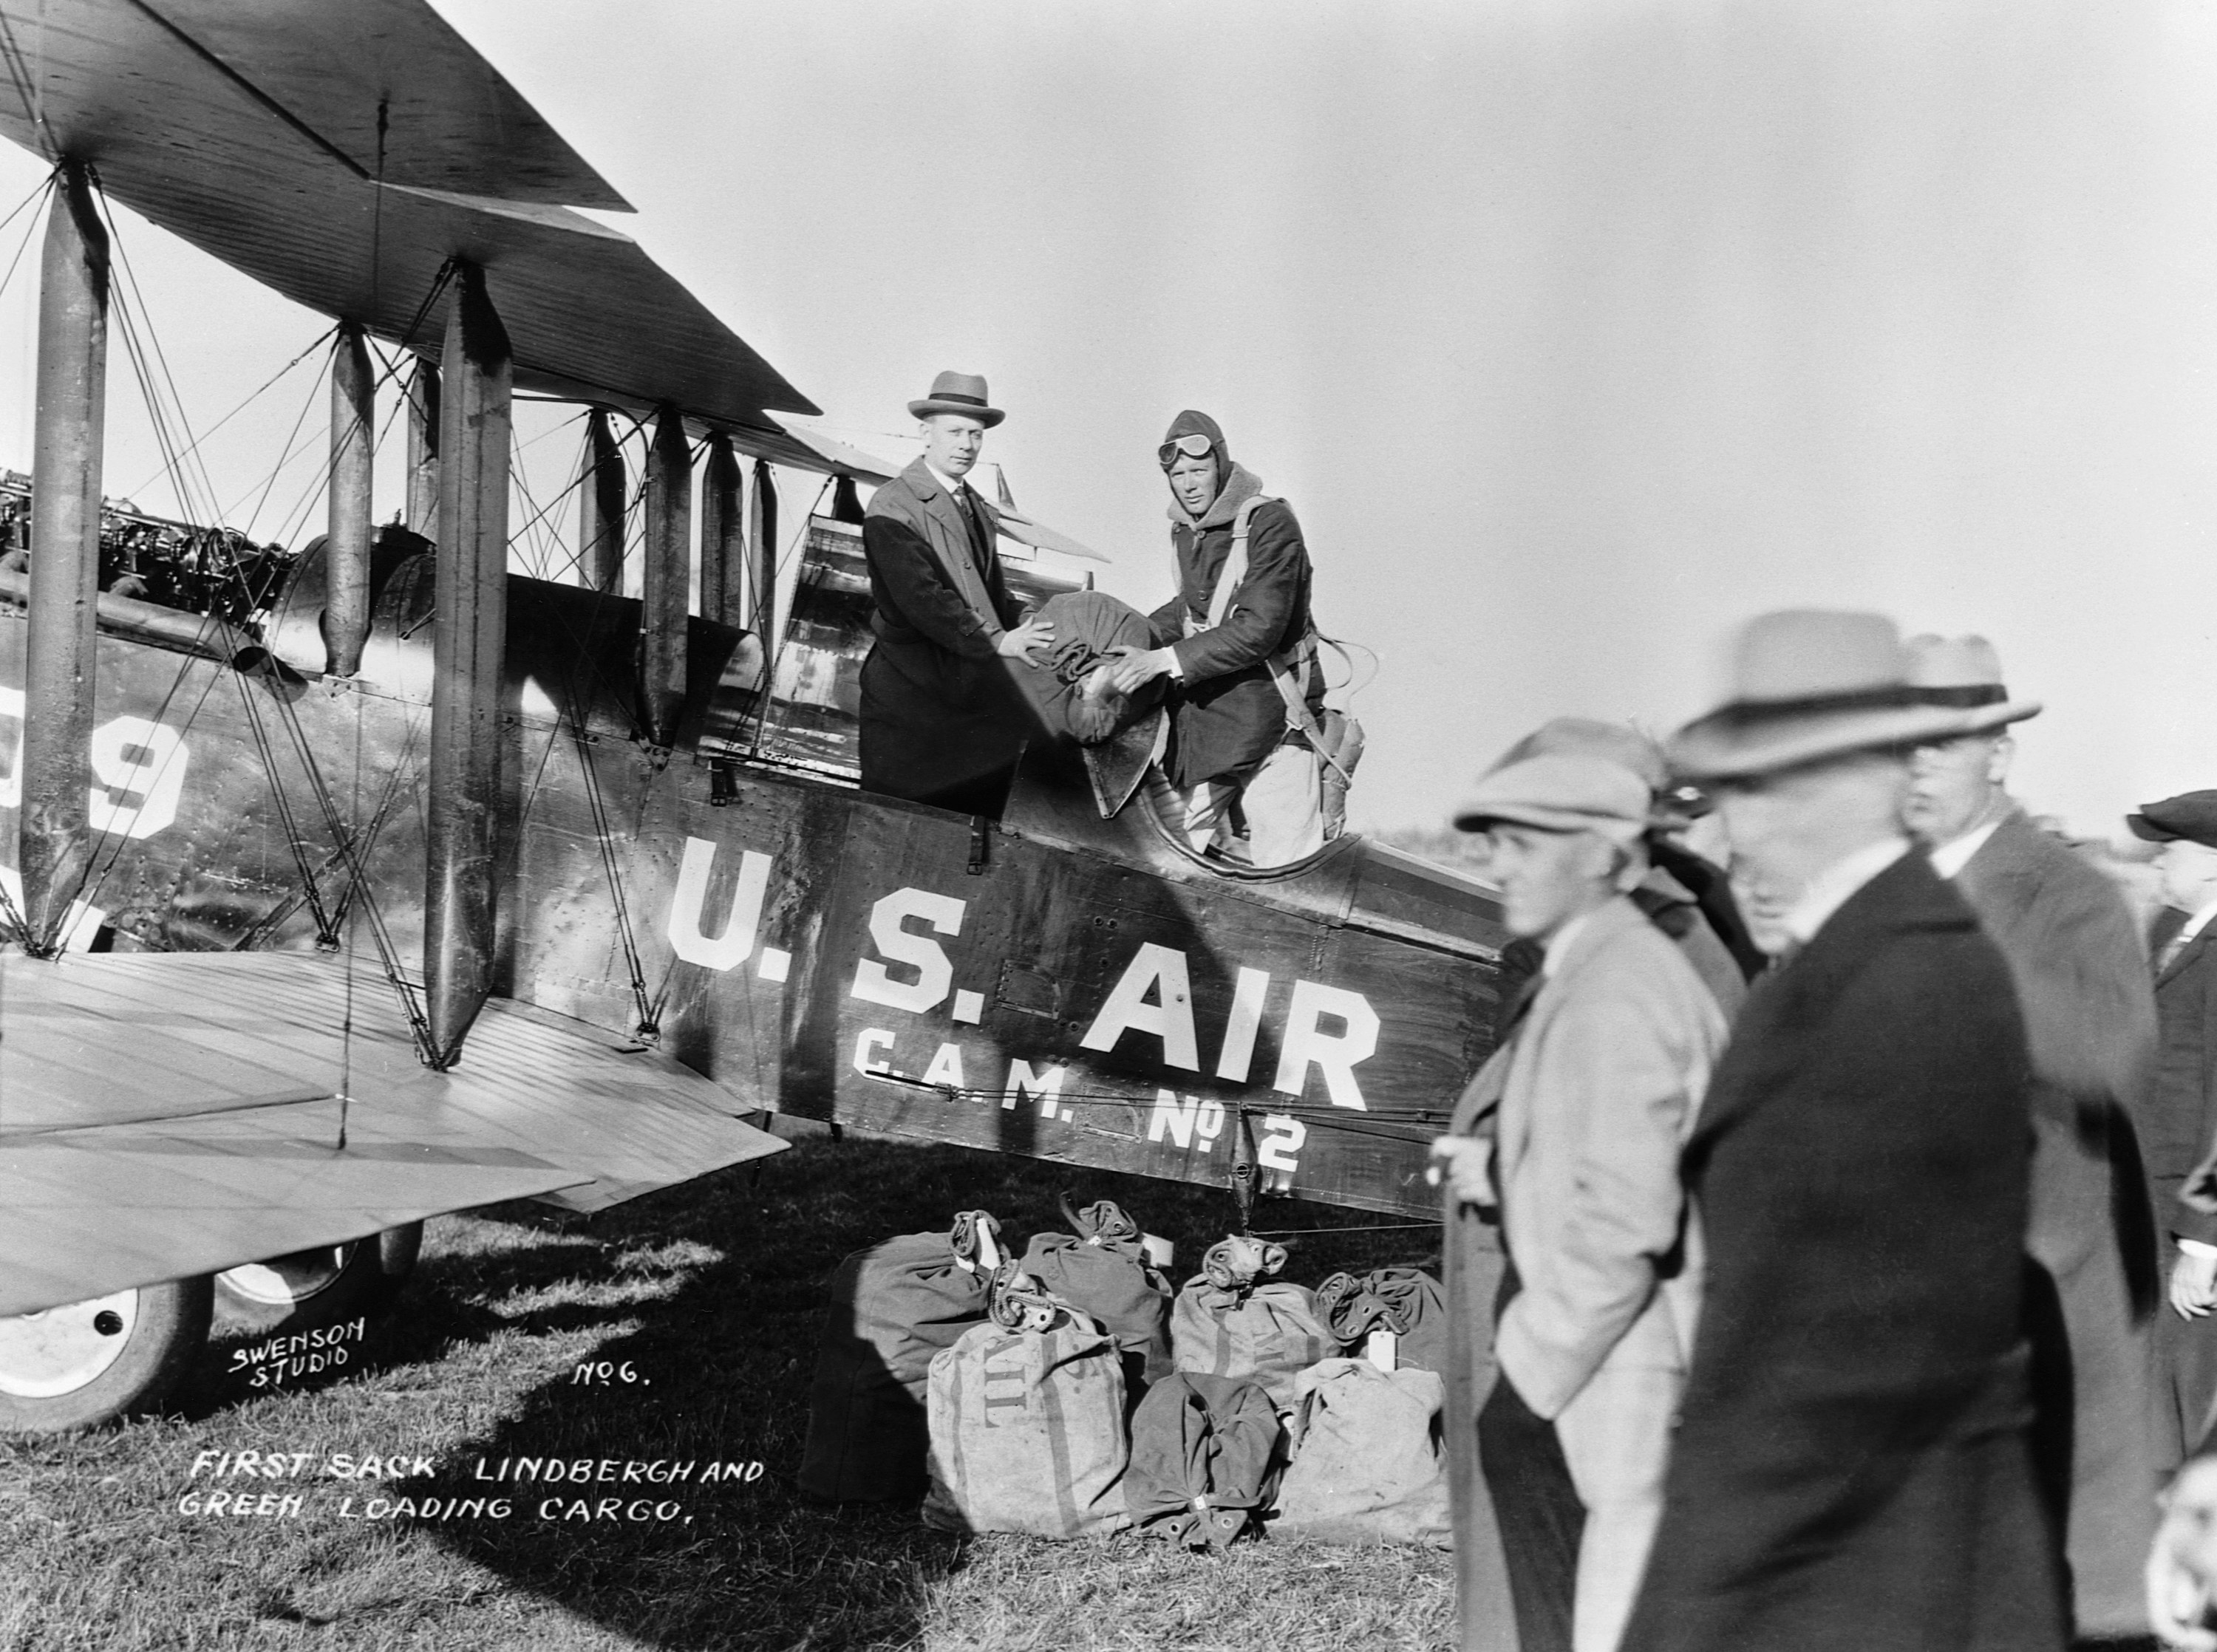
{"points": [[2082, 984], [942, 722], [1586, 1105], [1852, 1467]]}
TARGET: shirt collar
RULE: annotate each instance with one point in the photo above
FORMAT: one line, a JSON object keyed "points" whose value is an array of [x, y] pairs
{"points": [[955, 488], [1551, 950], [1829, 890], [2196, 924], [1951, 857]]}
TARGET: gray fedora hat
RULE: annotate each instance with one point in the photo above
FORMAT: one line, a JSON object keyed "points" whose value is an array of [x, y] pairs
{"points": [[1966, 672], [1807, 684], [958, 393]]}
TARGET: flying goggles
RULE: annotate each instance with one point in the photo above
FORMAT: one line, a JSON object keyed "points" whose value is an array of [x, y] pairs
{"points": [[1195, 445]]}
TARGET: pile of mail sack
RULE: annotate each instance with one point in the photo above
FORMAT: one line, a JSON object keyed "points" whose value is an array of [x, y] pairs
{"points": [[1071, 1392]]}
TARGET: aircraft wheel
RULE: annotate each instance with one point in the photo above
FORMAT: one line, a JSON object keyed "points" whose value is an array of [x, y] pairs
{"points": [[309, 1289], [72, 1366]]}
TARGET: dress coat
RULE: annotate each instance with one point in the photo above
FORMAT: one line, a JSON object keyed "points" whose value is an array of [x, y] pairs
{"points": [[2082, 985], [940, 711], [1228, 715], [1851, 1468], [2177, 1119]]}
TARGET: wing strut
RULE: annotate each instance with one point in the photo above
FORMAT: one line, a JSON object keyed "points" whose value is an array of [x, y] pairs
{"points": [[467, 641], [353, 428], [54, 845], [601, 508], [665, 579], [723, 535]]}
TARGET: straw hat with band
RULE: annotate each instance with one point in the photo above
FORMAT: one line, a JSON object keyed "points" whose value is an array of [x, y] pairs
{"points": [[1808, 684], [1560, 792], [1966, 672], [958, 392]]}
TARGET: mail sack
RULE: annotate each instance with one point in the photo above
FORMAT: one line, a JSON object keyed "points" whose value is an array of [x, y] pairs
{"points": [[1406, 1301], [893, 1307], [1233, 1320], [1028, 1431], [1101, 1270], [1367, 1462], [1071, 695], [1205, 1459]]}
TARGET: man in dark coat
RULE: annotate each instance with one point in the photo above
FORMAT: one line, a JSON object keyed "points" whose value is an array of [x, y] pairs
{"points": [[1234, 737], [1851, 1468], [2178, 1115], [2082, 985], [942, 722]]}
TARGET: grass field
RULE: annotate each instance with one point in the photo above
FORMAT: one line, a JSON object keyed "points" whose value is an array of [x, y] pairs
{"points": [[712, 1293]]}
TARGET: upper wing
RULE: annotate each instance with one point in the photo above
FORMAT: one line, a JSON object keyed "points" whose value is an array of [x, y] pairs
{"points": [[169, 1114], [340, 154]]}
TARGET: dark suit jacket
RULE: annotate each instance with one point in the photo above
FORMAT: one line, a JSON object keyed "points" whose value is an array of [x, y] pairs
{"points": [[2178, 1119], [938, 707], [2082, 984], [1228, 715], [1851, 1468]]}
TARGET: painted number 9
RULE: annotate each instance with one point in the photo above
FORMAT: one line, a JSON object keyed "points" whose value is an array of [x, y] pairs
{"points": [[140, 767]]}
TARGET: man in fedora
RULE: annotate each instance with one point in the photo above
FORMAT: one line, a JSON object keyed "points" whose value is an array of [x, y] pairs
{"points": [[2178, 1116], [1586, 1106], [1851, 1467], [2082, 985], [942, 722], [1237, 642]]}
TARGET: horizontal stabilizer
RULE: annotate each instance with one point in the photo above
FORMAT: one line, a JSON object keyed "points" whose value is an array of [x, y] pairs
{"points": [[178, 1113]]}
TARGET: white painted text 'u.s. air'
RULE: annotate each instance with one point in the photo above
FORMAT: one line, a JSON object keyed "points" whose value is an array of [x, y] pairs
{"points": [[1333, 1030]]}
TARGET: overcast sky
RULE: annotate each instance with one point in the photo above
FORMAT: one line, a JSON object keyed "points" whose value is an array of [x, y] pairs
{"points": [[1574, 332]]}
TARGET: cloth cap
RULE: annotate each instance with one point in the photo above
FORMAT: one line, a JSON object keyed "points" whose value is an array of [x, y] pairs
{"points": [[1560, 792], [1624, 745], [2190, 815], [958, 392], [1965, 672], [1590, 737], [1805, 684]]}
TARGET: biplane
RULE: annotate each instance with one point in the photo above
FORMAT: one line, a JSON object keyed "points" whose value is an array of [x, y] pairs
{"points": [[381, 880]]}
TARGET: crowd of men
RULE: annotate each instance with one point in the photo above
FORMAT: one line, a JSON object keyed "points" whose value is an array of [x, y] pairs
{"points": [[1855, 1303], [1856, 1203]]}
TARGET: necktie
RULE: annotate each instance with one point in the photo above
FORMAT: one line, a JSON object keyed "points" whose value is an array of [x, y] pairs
{"points": [[967, 502]]}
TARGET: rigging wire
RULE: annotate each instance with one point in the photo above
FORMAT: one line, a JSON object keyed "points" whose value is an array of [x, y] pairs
{"points": [[291, 451], [252, 396], [348, 845], [46, 187]]}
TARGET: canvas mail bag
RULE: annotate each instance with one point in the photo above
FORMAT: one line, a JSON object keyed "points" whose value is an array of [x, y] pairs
{"points": [[1101, 1270], [1028, 1432], [1233, 1321], [893, 1307], [1368, 1462], [1406, 1300], [1205, 1459]]}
